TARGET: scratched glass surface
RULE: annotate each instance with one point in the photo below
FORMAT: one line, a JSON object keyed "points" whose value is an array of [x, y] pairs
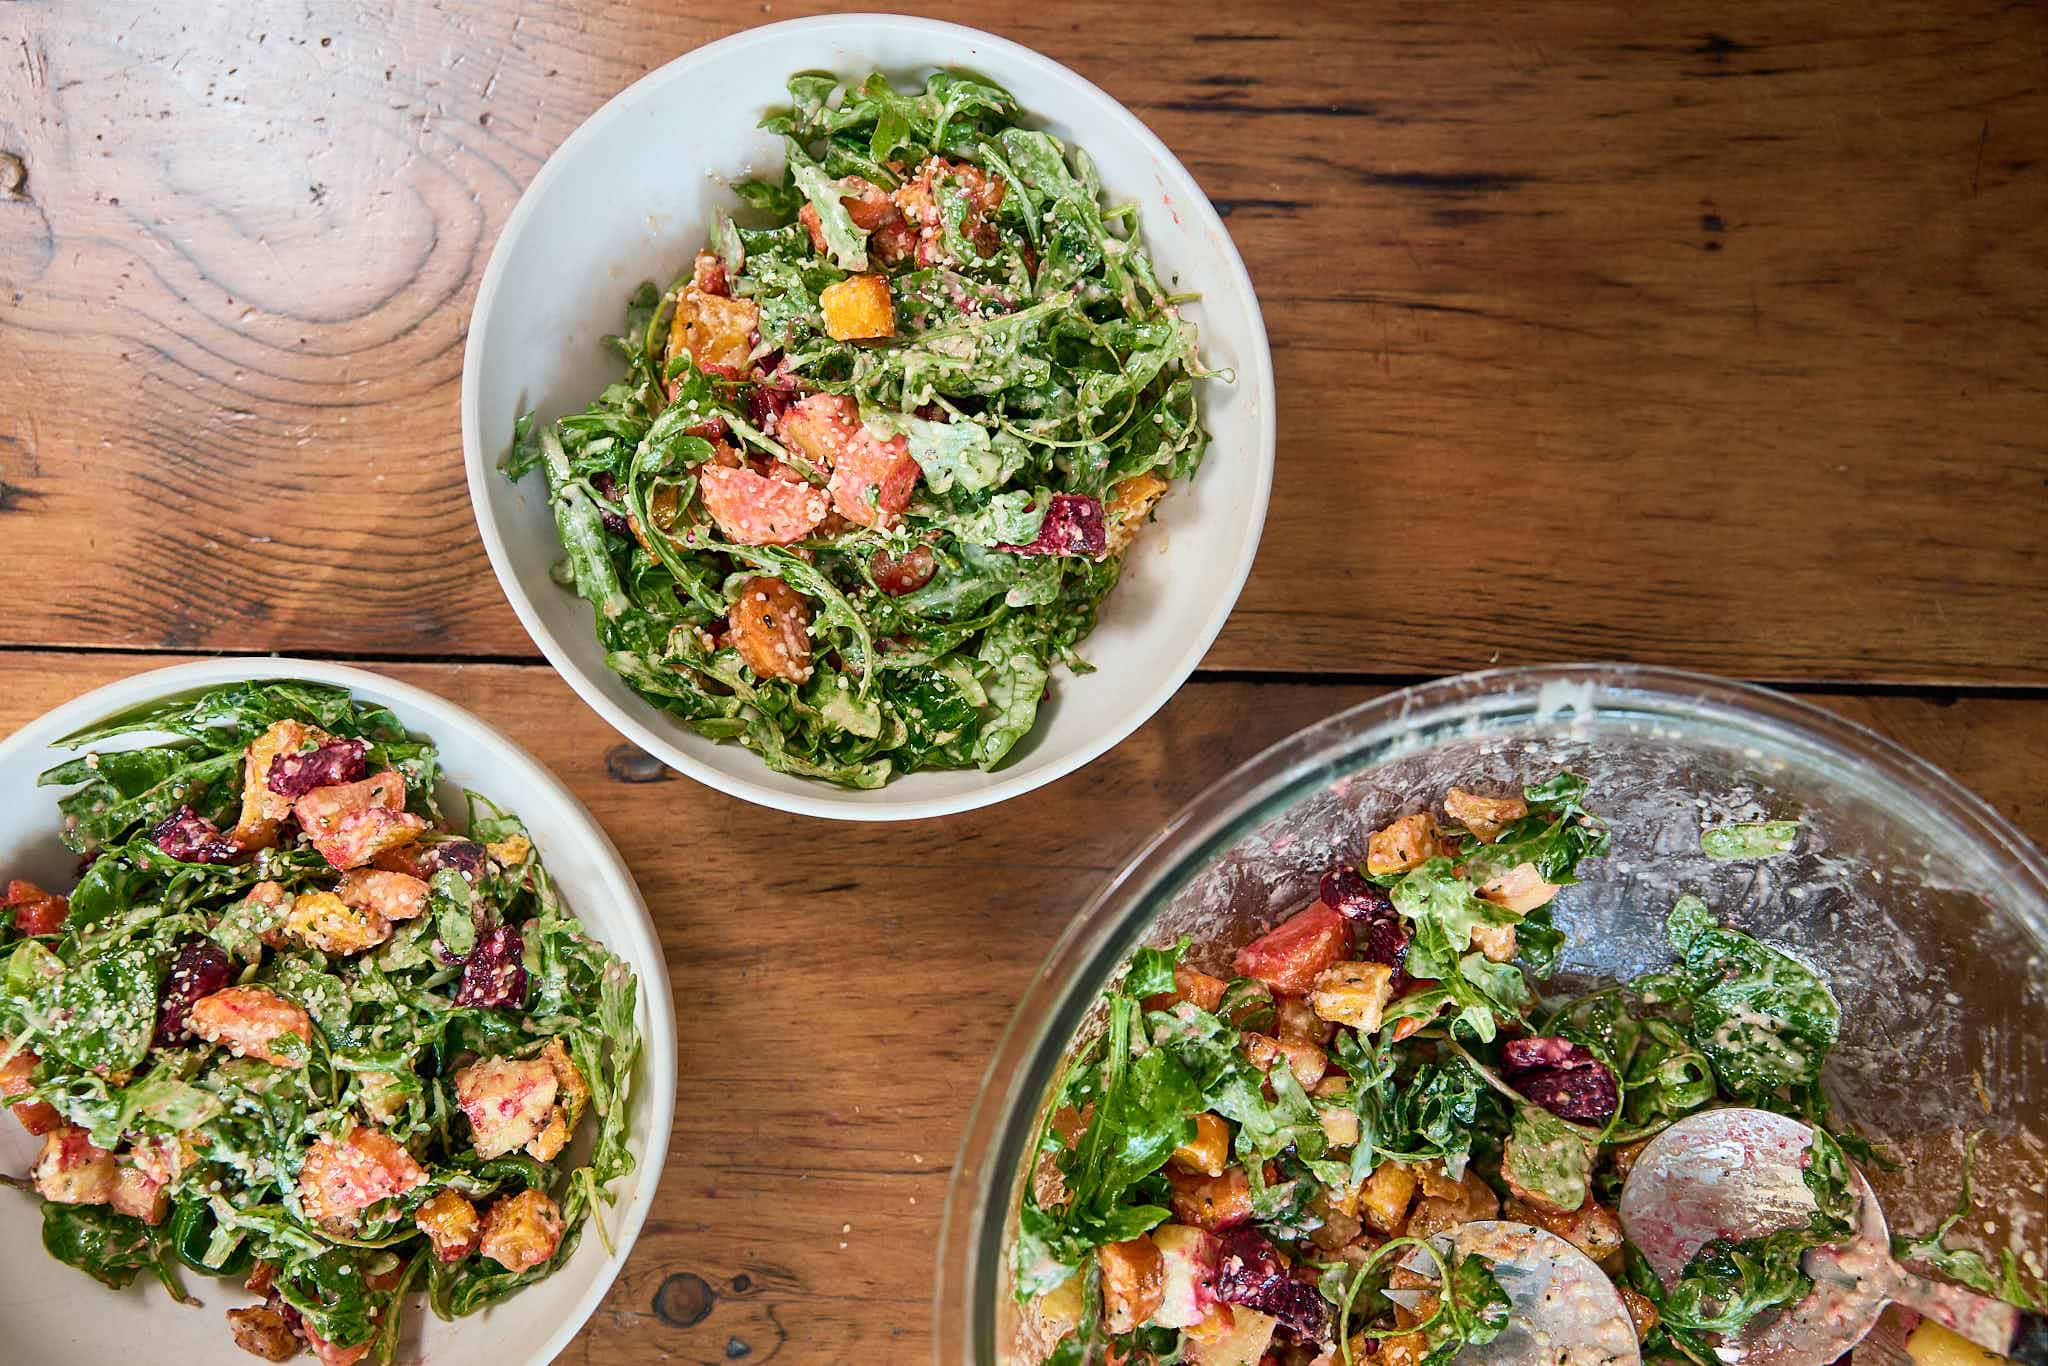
{"points": [[1925, 912]]}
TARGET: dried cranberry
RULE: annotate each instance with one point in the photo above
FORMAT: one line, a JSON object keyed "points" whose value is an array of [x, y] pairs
{"points": [[334, 763], [492, 975], [200, 969], [1563, 1077], [1346, 891], [766, 405], [1249, 1272], [603, 482], [1072, 526], [191, 838]]}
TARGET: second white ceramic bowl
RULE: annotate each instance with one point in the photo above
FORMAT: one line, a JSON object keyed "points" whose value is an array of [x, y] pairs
{"points": [[54, 1313], [630, 197]]}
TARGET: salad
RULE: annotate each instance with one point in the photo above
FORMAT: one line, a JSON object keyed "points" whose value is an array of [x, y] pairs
{"points": [[877, 459], [288, 1028], [1238, 1167]]}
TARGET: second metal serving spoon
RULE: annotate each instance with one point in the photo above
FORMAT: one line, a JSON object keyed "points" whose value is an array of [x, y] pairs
{"points": [[1740, 1173]]}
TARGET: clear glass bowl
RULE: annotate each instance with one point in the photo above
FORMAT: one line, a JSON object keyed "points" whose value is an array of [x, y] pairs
{"points": [[1924, 909]]}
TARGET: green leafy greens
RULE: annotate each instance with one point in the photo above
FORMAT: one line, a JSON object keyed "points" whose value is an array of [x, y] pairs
{"points": [[388, 1027], [1035, 357]]}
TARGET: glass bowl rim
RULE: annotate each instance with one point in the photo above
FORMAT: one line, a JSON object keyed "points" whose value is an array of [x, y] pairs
{"points": [[1111, 922]]}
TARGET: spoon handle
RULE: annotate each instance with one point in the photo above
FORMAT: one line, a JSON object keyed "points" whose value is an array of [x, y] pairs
{"points": [[1992, 1324]]}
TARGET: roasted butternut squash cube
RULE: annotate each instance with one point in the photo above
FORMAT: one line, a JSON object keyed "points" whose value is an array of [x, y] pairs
{"points": [[333, 926], [70, 1170], [136, 1194], [1190, 985], [1406, 843], [521, 1231], [1485, 817], [450, 1222], [1214, 1203], [1384, 1199], [1129, 502], [717, 332], [342, 1177], [1245, 1344], [1305, 1060], [1133, 1282], [858, 308], [1354, 994], [1643, 1314], [1496, 943], [1208, 1152], [1295, 1020], [17, 1077]]}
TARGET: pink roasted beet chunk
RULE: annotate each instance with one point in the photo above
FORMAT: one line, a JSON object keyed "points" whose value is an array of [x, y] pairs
{"points": [[1376, 927], [1249, 1272], [752, 509], [1288, 956], [340, 761], [872, 478], [1072, 526]]}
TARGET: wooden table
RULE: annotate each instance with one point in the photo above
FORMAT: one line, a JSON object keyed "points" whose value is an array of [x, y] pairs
{"points": [[1704, 335]]}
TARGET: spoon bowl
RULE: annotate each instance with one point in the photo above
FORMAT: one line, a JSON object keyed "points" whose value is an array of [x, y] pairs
{"points": [[1563, 1310], [1739, 1174]]}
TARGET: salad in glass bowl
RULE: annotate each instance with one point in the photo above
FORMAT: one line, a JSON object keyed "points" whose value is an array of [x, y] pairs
{"points": [[877, 457], [290, 1028], [1254, 1154]]}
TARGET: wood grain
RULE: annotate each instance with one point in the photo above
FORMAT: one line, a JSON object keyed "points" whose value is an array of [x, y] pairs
{"points": [[1670, 332], [840, 988]]}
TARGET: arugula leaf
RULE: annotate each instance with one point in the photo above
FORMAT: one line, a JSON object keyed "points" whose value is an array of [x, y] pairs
{"points": [[1548, 1157], [1965, 1265], [111, 1248], [1750, 840]]}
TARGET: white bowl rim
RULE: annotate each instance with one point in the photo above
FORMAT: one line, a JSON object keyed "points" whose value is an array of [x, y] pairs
{"points": [[641, 947], [825, 801]]}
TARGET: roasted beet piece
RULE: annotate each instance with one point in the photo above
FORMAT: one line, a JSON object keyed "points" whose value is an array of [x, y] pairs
{"points": [[1072, 526], [1561, 1076], [190, 837], [464, 856], [1346, 891], [334, 763], [1377, 931], [200, 969], [1250, 1273], [492, 975]]}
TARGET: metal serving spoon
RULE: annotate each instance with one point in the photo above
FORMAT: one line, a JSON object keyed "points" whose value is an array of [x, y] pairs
{"points": [[1563, 1309], [1738, 1174]]}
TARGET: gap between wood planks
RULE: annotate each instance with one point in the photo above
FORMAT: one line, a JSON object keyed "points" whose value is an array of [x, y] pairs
{"points": [[1938, 693]]}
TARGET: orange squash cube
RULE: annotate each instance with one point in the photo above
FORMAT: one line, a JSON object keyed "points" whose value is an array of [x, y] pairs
{"points": [[858, 308]]}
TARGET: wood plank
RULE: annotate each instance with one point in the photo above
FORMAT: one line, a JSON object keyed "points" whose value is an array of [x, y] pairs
{"points": [[1668, 334], [841, 987]]}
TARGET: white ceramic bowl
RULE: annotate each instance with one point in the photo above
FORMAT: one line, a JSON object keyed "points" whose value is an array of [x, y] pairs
{"points": [[53, 1313], [632, 194]]}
